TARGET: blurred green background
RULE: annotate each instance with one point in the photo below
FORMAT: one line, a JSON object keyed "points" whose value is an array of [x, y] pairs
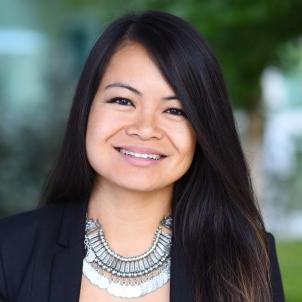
{"points": [[43, 45]]}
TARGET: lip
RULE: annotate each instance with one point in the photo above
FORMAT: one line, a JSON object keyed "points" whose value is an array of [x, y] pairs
{"points": [[140, 150]]}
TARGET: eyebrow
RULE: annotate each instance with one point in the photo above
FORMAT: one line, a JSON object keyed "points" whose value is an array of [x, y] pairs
{"points": [[134, 90]]}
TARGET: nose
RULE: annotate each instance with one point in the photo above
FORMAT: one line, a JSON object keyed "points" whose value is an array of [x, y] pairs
{"points": [[145, 126]]}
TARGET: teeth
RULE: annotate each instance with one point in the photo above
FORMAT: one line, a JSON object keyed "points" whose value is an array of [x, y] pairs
{"points": [[140, 155]]}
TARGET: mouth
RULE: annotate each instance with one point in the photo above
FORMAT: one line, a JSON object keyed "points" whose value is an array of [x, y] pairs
{"points": [[140, 155]]}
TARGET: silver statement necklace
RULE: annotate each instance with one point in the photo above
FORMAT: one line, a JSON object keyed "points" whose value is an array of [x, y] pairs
{"points": [[127, 277]]}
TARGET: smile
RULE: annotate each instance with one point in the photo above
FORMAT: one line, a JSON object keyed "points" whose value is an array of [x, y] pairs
{"points": [[140, 155]]}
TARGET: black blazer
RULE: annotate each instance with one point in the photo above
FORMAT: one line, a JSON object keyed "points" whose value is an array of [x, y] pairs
{"points": [[41, 254]]}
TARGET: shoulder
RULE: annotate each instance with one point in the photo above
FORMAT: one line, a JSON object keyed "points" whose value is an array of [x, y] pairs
{"points": [[23, 226], [272, 250], [270, 238], [275, 274], [271, 243], [23, 237]]}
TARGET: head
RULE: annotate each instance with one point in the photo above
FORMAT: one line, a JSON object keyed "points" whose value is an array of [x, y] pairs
{"points": [[216, 219], [183, 65]]}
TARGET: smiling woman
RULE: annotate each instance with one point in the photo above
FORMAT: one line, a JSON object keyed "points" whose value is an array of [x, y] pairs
{"points": [[151, 198]]}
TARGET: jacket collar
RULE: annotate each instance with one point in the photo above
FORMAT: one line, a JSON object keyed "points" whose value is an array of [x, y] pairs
{"points": [[66, 273]]}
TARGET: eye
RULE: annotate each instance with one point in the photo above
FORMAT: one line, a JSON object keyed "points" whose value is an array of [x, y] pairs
{"points": [[120, 101], [176, 111]]}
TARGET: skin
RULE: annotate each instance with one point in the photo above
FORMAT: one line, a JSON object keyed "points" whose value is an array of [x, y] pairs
{"points": [[130, 200]]}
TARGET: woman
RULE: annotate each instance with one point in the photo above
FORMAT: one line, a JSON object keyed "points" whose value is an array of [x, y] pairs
{"points": [[151, 198]]}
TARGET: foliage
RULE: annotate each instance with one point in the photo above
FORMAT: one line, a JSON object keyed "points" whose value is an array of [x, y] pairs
{"points": [[245, 34], [289, 254]]}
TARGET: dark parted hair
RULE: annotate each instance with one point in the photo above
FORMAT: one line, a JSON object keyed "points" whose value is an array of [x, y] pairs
{"points": [[216, 217]]}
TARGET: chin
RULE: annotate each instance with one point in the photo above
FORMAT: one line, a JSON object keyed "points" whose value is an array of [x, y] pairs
{"points": [[137, 183], [140, 187]]}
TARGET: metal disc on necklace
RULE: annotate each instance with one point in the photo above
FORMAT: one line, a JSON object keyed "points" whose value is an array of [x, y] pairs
{"points": [[167, 222], [104, 282], [112, 289], [90, 256]]}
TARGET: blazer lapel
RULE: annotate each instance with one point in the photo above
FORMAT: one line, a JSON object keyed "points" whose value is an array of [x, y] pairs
{"points": [[65, 283], [67, 262]]}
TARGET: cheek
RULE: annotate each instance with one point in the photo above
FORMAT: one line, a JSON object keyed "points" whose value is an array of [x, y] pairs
{"points": [[188, 150], [101, 126], [185, 142]]}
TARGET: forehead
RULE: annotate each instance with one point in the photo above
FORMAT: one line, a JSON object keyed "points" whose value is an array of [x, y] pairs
{"points": [[130, 52], [132, 64]]}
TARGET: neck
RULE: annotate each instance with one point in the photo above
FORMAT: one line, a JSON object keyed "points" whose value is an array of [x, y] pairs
{"points": [[129, 218]]}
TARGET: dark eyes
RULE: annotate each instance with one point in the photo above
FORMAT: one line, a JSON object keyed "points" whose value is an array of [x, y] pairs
{"points": [[176, 111], [127, 102], [120, 101]]}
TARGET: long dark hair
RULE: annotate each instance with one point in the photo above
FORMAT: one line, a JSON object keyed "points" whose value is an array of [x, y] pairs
{"points": [[217, 220]]}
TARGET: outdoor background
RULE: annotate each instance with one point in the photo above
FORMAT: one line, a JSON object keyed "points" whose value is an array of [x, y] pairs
{"points": [[43, 45]]}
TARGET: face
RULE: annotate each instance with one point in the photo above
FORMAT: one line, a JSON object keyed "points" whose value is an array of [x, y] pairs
{"points": [[137, 135]]}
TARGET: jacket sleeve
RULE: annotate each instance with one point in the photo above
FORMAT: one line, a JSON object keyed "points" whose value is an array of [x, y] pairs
{"points": [[277, 287]]}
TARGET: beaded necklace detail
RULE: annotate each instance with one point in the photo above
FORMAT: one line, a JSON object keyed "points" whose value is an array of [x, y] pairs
{"points": [[127, 277]]}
